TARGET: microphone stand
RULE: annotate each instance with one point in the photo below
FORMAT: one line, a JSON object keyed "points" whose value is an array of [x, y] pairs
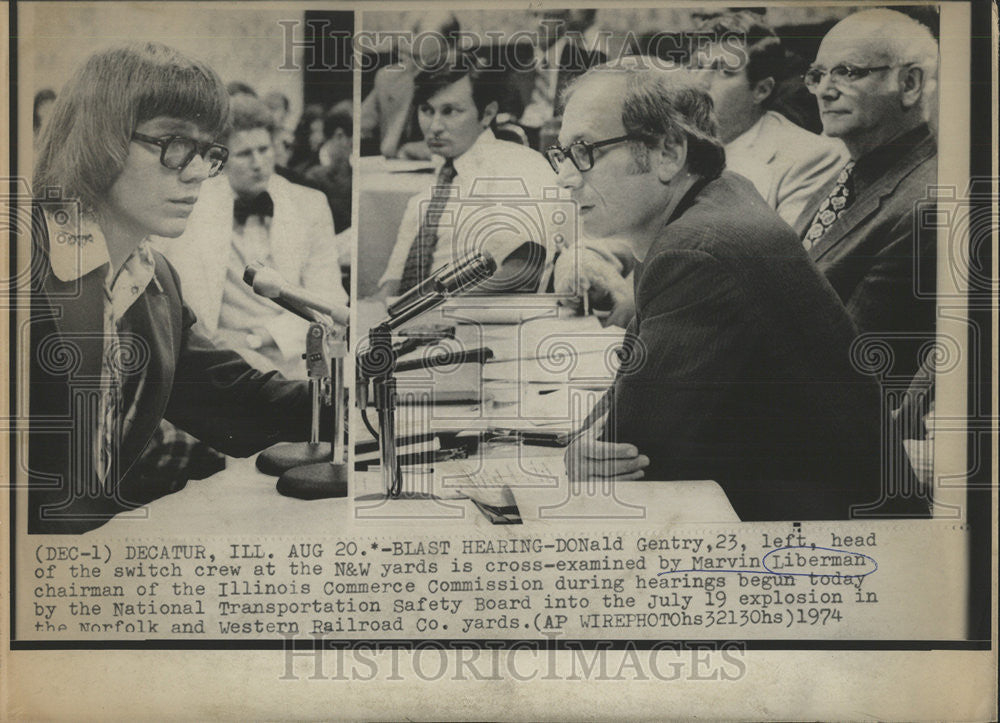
{"points": [[304, 469], [378, 363], [285, 455], [324, 478]]}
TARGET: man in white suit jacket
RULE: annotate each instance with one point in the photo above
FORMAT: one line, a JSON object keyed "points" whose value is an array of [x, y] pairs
{"points": [[785, 162], [252, 215]]}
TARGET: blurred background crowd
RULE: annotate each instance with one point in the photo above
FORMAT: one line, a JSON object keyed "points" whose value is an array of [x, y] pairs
{"points": [[520, 46]]}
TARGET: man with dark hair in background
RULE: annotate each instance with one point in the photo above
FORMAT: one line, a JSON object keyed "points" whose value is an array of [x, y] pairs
{"points": [[736, 367], [387, 112], [456, 105], [741, 66]]}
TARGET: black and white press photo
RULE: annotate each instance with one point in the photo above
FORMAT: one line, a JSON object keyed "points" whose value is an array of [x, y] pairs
{"points": [[754, 314], [190, 261], [500, 360]]}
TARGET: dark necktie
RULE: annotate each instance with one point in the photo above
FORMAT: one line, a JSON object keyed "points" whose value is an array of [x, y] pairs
{"points": [[259, 205], [833, 206], [418, 261]]}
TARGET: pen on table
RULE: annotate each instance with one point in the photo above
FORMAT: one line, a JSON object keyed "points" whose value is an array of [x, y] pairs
{"points": [[558, 243], [554, 438], [546, 277]]}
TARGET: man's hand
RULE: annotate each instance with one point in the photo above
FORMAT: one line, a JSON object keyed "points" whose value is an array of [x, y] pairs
{"points": [[588, 459], [600, 277], [385, 291], [414, 151], [622, 311]]}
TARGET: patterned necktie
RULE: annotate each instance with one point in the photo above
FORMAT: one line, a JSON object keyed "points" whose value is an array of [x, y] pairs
{"points": [[833, 205], [418, 261], [119, 295], [111, 384]]}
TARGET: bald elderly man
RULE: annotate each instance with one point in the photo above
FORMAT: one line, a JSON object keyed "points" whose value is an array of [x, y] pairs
{"points": [[872, 79]]}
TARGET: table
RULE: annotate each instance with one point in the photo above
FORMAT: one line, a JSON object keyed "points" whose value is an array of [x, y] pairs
{"points": [[548, 369], [240, 501], [528, 384], [547, 373]]}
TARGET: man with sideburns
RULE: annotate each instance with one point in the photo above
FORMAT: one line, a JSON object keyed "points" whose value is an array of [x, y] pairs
{"points": [[456, 106]]}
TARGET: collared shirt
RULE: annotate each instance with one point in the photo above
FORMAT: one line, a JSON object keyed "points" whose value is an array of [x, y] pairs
{"points": [[73, 255], [298, 242], [495, 179], [75, 252], [543, 95], [243, 310]]}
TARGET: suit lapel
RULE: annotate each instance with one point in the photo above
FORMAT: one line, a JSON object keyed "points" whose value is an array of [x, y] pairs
{"points": [[147, 389], [858, 211], [76, 307], [215, 253], [78, 315], [285, 231], [765, 143], [804, 221], [756, 154], [868, 202]]}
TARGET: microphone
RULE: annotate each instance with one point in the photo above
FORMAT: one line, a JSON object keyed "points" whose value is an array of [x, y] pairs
{"points": [[448, 281], [271, 285]]}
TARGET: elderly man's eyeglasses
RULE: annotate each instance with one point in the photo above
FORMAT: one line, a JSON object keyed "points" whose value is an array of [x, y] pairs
{"points": [[840, 74], [581, 153], [176, 152]]}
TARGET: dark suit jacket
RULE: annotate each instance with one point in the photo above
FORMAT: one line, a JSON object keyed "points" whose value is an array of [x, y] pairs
{"points": [[737, 366], [881, 262], [574, 61], [171, 371]]}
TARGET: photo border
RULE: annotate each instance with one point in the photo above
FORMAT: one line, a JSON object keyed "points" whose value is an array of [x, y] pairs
{"points": [[981, 512]]}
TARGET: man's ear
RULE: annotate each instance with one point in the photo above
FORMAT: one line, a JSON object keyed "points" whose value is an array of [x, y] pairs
{"points": [[911, 85], [668, 159], [762, 91], [489, 113]]}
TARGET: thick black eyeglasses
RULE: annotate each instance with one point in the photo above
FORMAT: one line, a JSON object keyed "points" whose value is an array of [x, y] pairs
{"points": [[581, 153], [844, 72], [176, 152]]}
